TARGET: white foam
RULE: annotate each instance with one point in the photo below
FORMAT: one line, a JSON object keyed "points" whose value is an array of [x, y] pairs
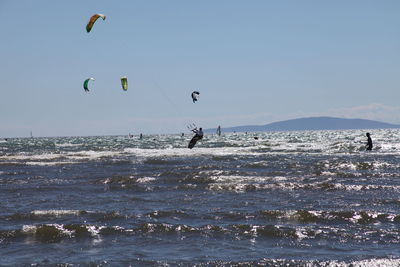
{"points": [[301, 233], [56, 212], [327, 173], [91, 155], [94, 230], [32, 229], [68, 145], [145, 180], [363, 263], [48, 159], [243, 183], [53, 163], [34, 157], [181, 152]]}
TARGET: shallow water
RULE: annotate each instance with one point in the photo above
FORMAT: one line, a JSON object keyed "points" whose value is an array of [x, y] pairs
{"points": [[289, 198]]}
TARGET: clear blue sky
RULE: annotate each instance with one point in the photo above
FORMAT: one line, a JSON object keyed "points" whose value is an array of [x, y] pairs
{"points": [[254, 62]]}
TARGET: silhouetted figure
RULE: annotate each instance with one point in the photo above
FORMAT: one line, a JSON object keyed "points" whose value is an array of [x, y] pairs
{"points": [[198, 136], [369, 142], [140, 136]]}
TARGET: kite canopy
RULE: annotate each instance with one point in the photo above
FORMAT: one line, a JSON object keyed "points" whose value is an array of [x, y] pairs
{"points": [[93, 20], [86, 83], [195, 95], [124, 83]]}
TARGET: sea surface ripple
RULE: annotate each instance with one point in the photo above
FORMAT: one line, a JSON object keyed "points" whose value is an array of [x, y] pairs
{"points": [[307, 198]]}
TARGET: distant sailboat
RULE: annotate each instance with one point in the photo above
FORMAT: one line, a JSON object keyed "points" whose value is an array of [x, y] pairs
{"points": [[219, 130]]}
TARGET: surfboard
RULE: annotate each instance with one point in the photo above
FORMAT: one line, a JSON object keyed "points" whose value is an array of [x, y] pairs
{"points": [[193, 142]]}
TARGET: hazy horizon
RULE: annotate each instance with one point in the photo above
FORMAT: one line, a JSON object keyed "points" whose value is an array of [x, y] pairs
{"points": [[206, 129]]}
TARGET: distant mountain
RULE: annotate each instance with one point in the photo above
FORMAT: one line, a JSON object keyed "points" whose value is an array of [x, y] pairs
{"points": [[313, 123]]}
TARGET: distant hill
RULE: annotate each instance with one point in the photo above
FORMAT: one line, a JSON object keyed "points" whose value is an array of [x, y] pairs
{"points": [[313, 123]]}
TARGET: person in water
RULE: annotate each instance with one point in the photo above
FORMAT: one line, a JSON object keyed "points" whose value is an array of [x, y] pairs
{"points": [[198, 136], [369, 142]]}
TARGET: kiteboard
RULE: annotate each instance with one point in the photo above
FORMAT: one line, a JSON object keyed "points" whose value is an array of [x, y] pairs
{"points": [[194, 140]]}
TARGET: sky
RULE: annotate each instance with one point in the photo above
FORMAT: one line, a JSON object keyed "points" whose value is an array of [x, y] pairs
{"points": [[253, 62]]}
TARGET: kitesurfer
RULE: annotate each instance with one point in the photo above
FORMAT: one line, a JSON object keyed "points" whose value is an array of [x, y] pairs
{"points": [[199, 133], [219, 130], [369, 142], [198, 136]]}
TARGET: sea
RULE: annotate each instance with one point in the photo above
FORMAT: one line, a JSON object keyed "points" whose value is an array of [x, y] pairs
{"points": [[306, 198]]}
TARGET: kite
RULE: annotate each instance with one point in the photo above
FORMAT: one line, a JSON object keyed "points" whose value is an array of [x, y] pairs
{"points": [[86, 83], [124, 83], [195, 95], [93, 20]]}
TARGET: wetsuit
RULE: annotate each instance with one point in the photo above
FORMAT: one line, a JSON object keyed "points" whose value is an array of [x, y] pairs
{"points": [[369, 143]]}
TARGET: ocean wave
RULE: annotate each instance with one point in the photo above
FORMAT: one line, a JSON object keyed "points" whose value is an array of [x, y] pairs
{"points": [[41, 214], [168, 150], [58, 158], [128, 181], [185, 152], [160, 161], [45, 215], [158, 214], [373, 262], [320, 217], [56, 232], [53, 163], [58, 212], [291, 186], [238, 183], [327, 218], [331, 217], [209, 262], [68, 145]]}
